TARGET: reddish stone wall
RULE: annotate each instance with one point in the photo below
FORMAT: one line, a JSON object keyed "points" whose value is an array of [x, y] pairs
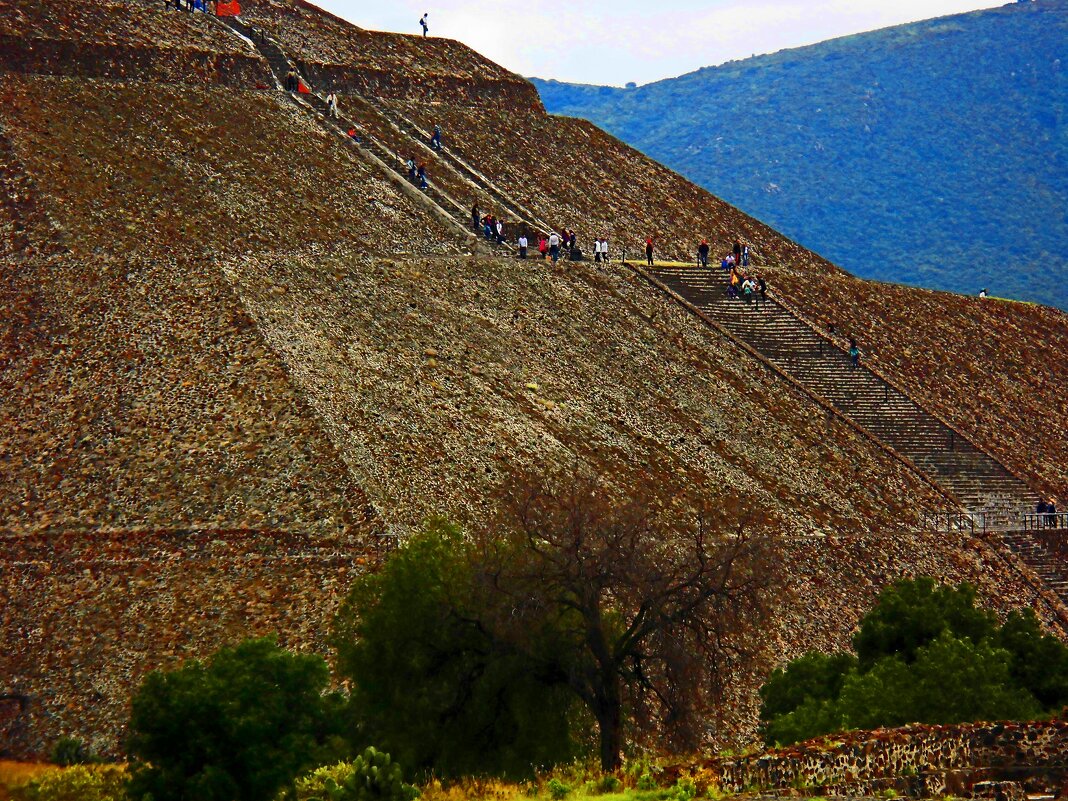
{"points": [[125, 62], [918, 760], [83, 617]]}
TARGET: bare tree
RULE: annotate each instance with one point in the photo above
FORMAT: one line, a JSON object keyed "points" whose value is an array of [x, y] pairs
{"points": [[629, 608]]}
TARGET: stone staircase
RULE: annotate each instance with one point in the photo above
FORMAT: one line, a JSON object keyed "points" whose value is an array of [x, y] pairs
{"points": [[280, 64], [453, 156], [977, 481], [1046, 563]]}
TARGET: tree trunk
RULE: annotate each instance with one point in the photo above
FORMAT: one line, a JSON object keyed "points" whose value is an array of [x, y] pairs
{"points": [[609, 721]]}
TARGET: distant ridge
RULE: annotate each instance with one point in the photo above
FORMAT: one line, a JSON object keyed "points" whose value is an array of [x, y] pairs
{"points": [[932, 153]]}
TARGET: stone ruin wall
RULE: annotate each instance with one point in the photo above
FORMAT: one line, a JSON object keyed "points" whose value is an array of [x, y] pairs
{"points": [[1002, 759], [125, 62]]}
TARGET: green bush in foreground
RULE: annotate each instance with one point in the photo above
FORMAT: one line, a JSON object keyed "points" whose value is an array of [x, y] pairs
{"points": [[926, 654], [76, 783], [239, 728], [372, 776]]}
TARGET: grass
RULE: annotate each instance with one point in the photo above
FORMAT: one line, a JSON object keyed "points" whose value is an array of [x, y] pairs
{"points": [[14, 773]]}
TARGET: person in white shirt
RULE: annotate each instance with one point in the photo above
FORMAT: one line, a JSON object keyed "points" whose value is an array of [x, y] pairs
{"points": [[554, 246], [331, 105], [597, 250], [522, 246]]}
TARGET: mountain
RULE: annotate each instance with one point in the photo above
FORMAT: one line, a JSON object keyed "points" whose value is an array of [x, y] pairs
{"points": [[933, 153]]}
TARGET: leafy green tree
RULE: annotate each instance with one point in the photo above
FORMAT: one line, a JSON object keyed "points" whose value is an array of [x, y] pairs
{"points": [[956, 680], [913, 612], [430, 683], [1039, 661], [813, 676], [238, 728], [927, 655]]}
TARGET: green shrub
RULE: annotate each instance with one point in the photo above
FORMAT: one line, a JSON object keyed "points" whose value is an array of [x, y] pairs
{"points": [[70, 751], [372, 776], [558, 790], [646, 781], [926, 655], [609, 784], [684, 789], [76, 783]]}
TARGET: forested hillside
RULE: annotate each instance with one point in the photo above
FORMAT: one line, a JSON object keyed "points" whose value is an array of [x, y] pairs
{"points": [[934, 153]]}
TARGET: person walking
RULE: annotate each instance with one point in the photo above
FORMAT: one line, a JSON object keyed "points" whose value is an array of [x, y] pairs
{"points": [[604, 250], [522, 246], [423, 23], [745, 255], [1051, 513], [412, 171], [543, 247], [737, 251], [854, 353], [702, 254], [331, 105], [763, 286], [554, 246], [475, 217], [649, 251], [435, 138], [500, 232], [421, 175]]}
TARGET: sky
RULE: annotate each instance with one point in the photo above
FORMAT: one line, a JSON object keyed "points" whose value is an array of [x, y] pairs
{"points": [[614, 42]]}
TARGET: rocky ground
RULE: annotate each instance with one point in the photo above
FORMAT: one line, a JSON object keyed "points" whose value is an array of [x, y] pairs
{"points": [[437, 379]]}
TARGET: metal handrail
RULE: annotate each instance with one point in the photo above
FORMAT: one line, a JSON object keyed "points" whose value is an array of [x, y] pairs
{"points": [[1036, 521]]}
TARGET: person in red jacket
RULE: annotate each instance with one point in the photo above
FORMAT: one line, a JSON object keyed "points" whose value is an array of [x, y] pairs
{"points": [[649, 251]]}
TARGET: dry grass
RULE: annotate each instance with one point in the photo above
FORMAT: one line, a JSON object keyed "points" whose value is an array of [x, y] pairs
{"points": [[13, 774]]}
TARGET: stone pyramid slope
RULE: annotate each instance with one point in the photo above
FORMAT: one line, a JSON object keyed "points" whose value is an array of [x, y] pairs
{"points": [[241, 350]]}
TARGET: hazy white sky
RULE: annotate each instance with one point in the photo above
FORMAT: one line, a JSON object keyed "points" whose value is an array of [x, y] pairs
{"points": [[616, 41]]}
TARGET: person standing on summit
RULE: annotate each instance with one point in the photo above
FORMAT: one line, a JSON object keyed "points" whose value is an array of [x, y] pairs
{"points": [[422, 21]]}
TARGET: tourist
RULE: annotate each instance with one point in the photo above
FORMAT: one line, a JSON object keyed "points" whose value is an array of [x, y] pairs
{"points": [[421, 175], [854, 353], [982, 293], [702, 253], [475, 217], [355, 137], [763, 285], [747, 291], [745, 256], [554, 246], [737, 253], [649, 251], [604, 250], [1051, 513], [522, 246], [331, 105], [291, 79], [412, 172], [499, 227], [422, 21], [1040, 513], [435, 138], [543, 247]]}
